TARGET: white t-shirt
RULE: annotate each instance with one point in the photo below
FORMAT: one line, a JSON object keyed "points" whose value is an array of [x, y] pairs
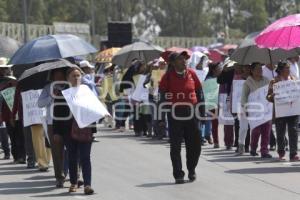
{"points": [[268, 73]]}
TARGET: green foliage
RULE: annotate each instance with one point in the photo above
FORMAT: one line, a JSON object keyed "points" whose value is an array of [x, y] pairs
{"points": [[188, 18]]}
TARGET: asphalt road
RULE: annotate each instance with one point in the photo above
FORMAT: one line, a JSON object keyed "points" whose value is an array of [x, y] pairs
{"points": [[130, 168]]}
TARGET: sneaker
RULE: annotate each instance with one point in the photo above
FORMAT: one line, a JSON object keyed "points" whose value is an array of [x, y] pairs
{"points": [[192, 176], [267, 156], [72, 189], [179, 180], [88, 190], [294, 159], [240, 150], [253, 153], [95, 139], [216, 146]]}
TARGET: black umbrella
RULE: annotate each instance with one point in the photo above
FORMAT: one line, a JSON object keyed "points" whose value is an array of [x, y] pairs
{"points": [[37, 77]]}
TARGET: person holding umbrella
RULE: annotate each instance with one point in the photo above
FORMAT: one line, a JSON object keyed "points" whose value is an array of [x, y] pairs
{"points": [[46, 99], [181, 89]]}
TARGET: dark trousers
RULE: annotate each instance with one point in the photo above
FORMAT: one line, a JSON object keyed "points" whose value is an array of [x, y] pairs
{"points": [[189, 131], [57, 151], [84, 150], [236, 131], [17, 140], [228, 135], [292, 124], [28, 145], [4, 141]]}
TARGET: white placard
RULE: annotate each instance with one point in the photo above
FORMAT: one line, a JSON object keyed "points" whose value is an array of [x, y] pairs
{"points": [[237, 87], [287, 98], [257, 101], [32, 114], [84, 105], [140, 93], [225, 116], [201, 74]]}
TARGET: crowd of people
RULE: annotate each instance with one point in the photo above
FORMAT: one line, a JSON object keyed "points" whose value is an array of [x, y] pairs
{"points": [[163, 98]]}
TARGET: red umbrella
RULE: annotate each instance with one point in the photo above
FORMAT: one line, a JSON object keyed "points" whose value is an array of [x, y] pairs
{"points": [[167, 52], [216, 55]]}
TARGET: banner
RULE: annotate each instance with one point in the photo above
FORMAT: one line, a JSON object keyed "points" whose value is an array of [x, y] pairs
{"points": [[237, 87], [9, 96], [287, 98], [225, 116], [32, 114], [140, 93], [84, 105], [259, 109], [211, 93]]}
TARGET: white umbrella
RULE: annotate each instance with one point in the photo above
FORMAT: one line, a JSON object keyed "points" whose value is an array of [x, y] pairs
{"points": [[140, 50]]}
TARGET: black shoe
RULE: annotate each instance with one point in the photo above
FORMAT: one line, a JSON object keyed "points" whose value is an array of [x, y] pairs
{"points": [[6, 157], [43, 169], [247, 150], [228, 148], [179, 180], [60, 184], [192, 177], [253, 153], [30, 165], [273, 148], [267, 156], [21, 161], [80, 183]]}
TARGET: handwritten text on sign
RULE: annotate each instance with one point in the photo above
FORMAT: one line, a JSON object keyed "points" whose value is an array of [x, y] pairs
{"points": [[84, 105], [287, 98], [32, 114]]}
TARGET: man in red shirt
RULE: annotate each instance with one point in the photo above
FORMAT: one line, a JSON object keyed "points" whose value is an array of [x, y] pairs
{"points": [[181, 89]]}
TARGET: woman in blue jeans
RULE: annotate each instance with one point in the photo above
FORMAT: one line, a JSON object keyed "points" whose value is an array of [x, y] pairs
{"points": [[62, 125]]}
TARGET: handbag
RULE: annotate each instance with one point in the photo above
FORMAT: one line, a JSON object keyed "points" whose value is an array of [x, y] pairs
{"points": [[83, 135]]}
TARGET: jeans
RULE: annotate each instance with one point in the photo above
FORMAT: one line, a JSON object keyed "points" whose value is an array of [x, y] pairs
{"points": [[84, 150]]}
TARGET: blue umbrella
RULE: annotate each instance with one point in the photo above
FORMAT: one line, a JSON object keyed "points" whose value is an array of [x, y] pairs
{"points": [[51, 47]]}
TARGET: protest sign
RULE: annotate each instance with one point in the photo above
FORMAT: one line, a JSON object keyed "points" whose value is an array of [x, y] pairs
{"points": [[211, 93], [225, 116], [32, 114], [287, 98], [84, 105], [237, 87], [9, 95], [259, 109]]}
